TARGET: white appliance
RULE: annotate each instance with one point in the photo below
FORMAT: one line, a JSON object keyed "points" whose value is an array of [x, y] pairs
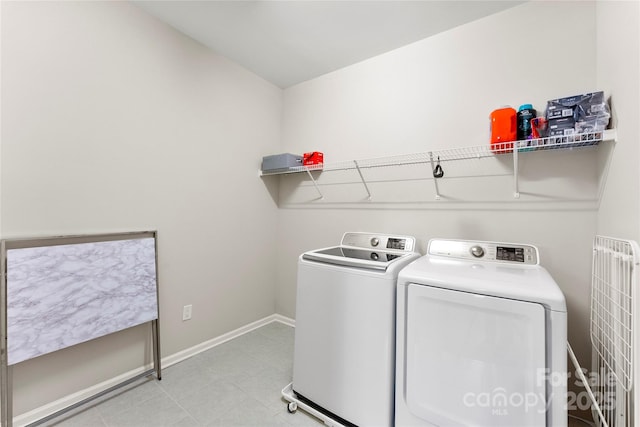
{"points": [[345, 327], [481, 338]]}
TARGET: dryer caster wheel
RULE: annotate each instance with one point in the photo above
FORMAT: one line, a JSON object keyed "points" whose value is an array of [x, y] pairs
{"points": [[292, 407]]}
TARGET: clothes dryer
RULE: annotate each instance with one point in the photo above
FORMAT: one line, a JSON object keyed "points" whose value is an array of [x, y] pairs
{"points": [[481, 338], [344, 351]]}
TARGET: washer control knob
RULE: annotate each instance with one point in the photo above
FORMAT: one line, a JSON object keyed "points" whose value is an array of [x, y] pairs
{"points": [[374, 256], [375, 241], [477, 251]]}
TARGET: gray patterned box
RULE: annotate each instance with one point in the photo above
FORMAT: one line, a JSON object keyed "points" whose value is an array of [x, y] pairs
{"points": [[280, 162]]}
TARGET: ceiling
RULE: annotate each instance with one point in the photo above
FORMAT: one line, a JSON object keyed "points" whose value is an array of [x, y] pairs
{"points": [[288, 42]]}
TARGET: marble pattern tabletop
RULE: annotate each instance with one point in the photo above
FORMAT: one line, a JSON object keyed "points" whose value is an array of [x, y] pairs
{"points": [[59, 296]]}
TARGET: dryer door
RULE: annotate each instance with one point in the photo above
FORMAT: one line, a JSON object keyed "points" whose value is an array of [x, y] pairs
{"points": [[474, 359]]}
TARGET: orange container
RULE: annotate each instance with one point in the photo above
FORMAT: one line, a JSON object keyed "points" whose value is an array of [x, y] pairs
{"points": [[504, 130]]}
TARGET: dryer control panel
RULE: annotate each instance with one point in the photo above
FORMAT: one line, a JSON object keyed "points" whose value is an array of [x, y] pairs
{"points": [[512, 253]]}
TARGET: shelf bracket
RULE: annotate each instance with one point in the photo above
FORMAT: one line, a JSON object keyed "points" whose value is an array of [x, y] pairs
{"points": [[315, 184], [435, 180], [355, 162], [516, 149]]}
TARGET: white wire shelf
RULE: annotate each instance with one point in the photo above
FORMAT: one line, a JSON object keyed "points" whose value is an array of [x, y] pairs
{"points": [[514, 148]]}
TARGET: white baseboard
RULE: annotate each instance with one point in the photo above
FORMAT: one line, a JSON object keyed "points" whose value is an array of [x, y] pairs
{"points": [[196, 349], [284, 319], [72, 399]]}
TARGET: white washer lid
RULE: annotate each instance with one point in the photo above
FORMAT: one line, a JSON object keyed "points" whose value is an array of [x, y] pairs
{"points": [[520, 282]]}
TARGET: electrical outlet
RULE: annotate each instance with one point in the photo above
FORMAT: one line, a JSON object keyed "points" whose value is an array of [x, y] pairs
{"points": [[187, 311]]}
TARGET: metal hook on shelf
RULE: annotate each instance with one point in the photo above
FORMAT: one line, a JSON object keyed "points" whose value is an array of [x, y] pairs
{"points": [[437, 171], [433, 169]]}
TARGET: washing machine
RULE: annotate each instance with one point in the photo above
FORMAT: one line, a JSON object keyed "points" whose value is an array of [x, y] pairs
{"points": [[344, 348], [481, 338]]}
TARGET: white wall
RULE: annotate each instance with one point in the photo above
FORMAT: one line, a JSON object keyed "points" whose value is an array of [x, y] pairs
{"points": [[618, 67], [112, 121], [436, 94]]}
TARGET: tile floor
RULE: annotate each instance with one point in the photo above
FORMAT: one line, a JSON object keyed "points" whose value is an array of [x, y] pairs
{"points": [[237, 383]]}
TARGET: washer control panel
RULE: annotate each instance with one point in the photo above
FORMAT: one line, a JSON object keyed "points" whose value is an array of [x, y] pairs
{"points": [[485, 251], [379, 241]]}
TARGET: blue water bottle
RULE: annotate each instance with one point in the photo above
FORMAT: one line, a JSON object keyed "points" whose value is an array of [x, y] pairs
{"points": [[526, 112]]}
